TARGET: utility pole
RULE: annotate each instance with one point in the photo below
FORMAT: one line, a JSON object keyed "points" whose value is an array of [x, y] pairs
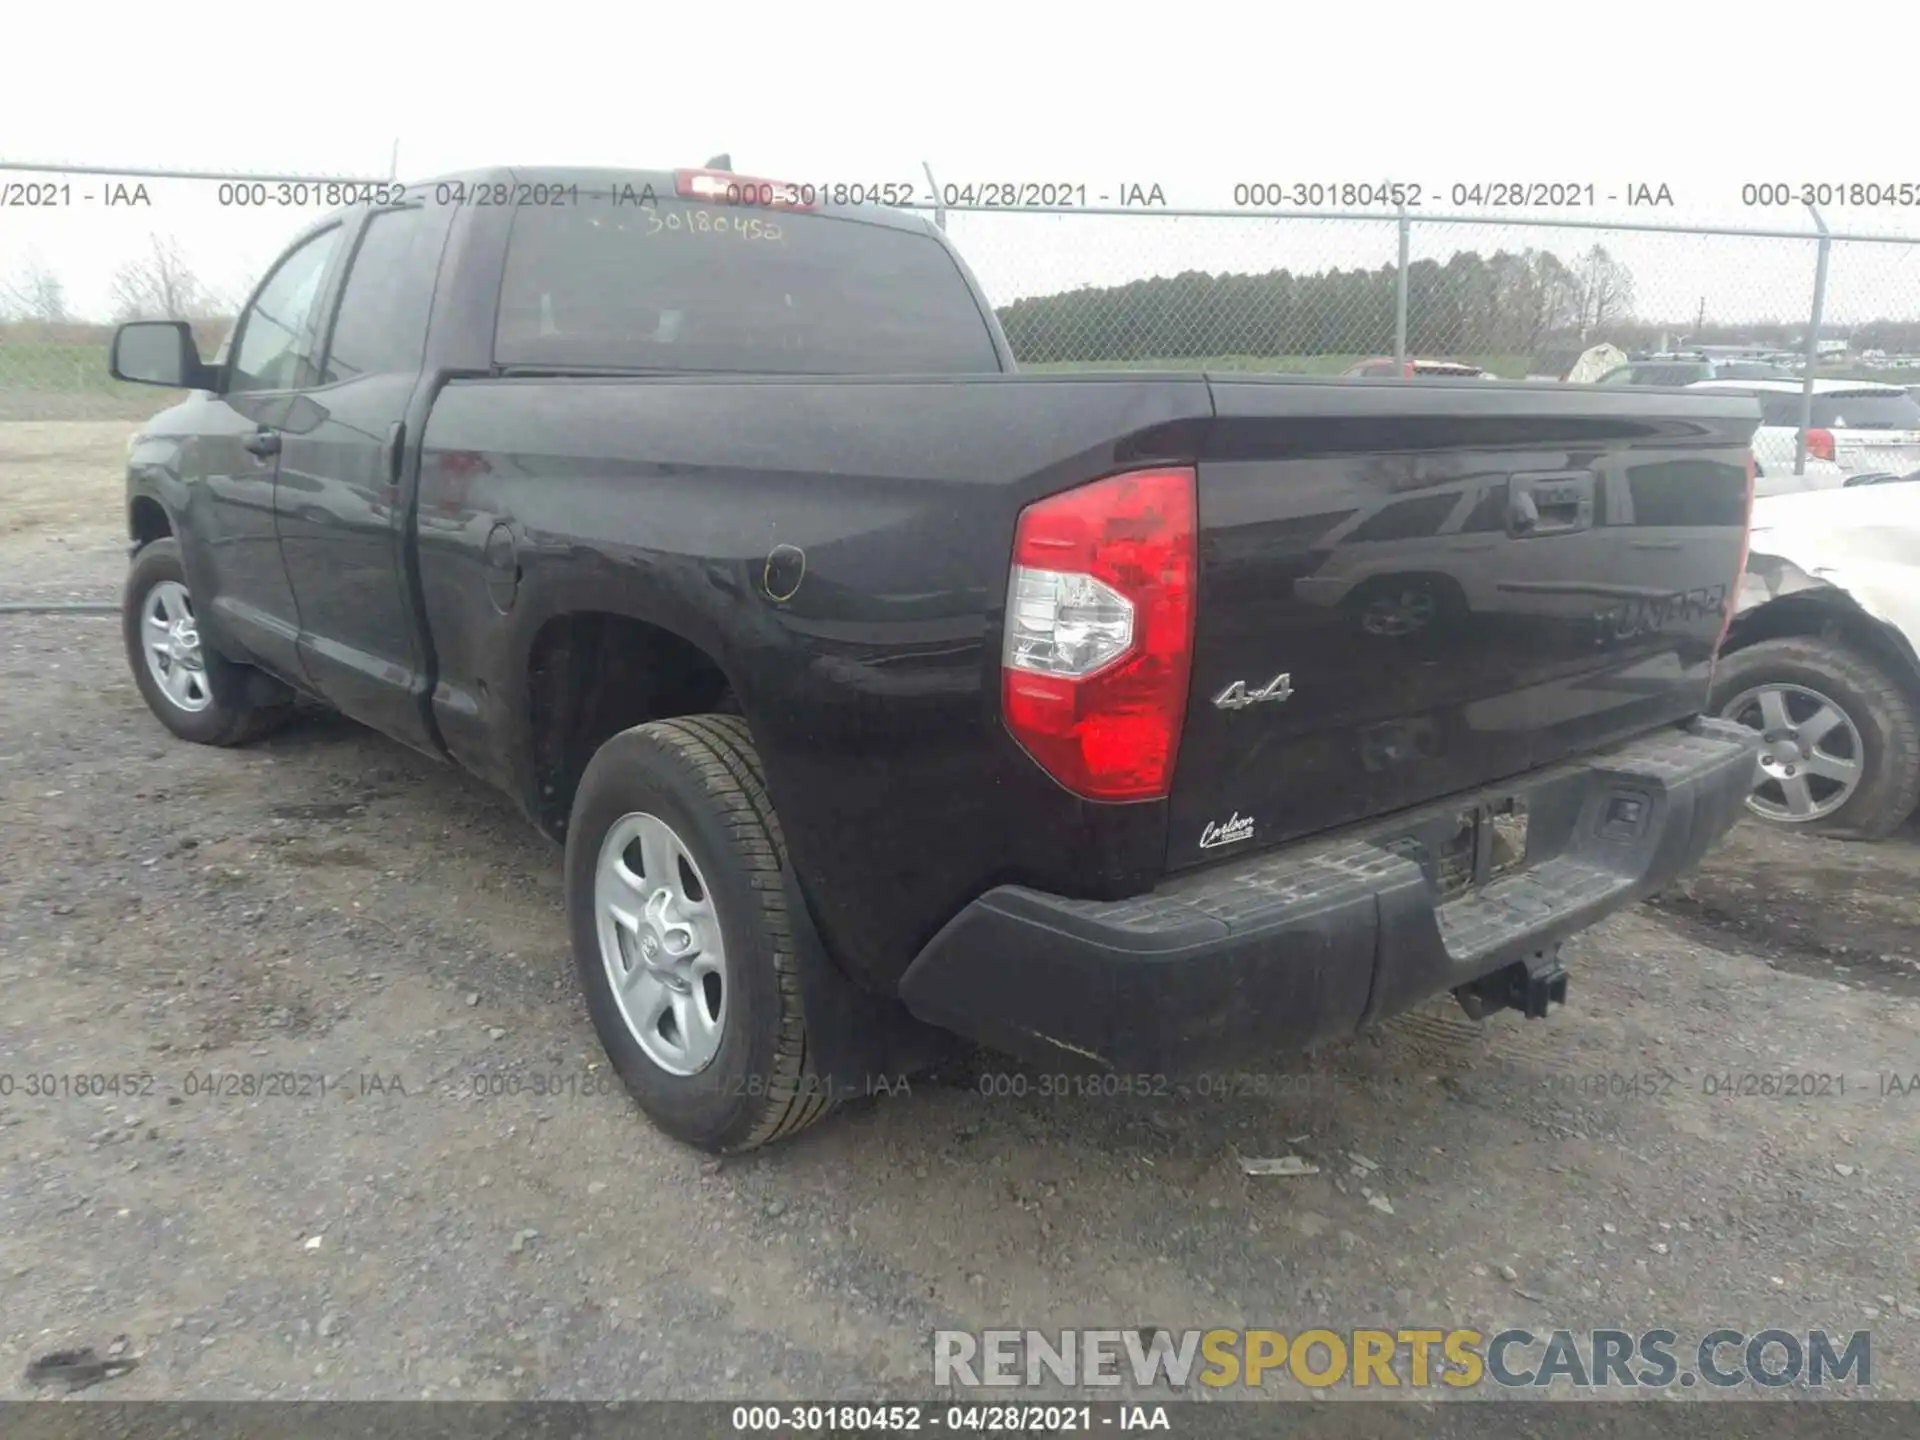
{"points": [[1813, 340]]}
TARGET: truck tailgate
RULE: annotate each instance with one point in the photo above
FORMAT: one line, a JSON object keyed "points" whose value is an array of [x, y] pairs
{"points": [[1407, 591]]}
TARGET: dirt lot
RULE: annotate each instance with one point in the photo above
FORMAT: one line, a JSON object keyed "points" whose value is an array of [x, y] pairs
{"points": [[62, 535], [400, 1215]]}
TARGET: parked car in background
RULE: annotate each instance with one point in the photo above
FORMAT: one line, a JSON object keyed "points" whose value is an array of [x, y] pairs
{"points": [[1387, 367], [1861, 432], [1686, 368], [1823, 659]]}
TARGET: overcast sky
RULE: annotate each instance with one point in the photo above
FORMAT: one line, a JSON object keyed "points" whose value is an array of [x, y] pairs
{"points": [[1697, 97]]}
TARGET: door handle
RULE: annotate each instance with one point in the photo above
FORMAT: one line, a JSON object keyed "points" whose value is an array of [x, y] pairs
{"points": [[393, 453], [264, 443]]}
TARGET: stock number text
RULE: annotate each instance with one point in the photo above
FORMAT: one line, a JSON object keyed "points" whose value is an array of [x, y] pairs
{"points": [[1831, 192], [1313, 194], [283, 194], [60, 1085]]}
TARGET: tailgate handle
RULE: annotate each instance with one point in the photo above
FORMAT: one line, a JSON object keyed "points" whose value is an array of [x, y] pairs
{"points": [[1550, 504]]}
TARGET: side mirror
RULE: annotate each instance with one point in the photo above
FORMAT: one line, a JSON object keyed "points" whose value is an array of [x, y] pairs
{"points": [[160, 352]]}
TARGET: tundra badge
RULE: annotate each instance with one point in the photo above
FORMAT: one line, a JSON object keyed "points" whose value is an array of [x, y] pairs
{"points": [[1237, 697], [1240, 827]]}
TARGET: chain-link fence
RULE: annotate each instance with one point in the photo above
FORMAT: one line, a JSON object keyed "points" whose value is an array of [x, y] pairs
{"points": [[1306, 292], [1321, 293]]}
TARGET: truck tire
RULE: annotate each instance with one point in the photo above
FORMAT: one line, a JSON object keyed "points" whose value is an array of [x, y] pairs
{"points": [[1859, 775], [196, 693], [677, 902]]}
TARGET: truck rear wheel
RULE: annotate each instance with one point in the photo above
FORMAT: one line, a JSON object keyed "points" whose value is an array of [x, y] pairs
{"points": [[1842, 751], [196, 693], [677, 901]]}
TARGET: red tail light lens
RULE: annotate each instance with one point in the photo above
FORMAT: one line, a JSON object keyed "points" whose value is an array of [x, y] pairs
{"points": [[1099, 632], [720, 187], [1820, 444]]}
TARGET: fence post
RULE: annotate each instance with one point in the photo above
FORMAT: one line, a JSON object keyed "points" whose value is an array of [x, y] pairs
{"points": [[1813, 342], [1400, 293]]}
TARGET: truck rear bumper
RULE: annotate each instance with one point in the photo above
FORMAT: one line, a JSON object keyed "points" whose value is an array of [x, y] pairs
{"points": [[1320, 939]]}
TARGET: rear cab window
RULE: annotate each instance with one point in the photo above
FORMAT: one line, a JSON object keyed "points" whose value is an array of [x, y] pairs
{"points": [[677, 285]]}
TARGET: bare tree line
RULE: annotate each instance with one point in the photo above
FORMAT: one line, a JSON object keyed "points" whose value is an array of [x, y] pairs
{"points": [[1503, 303], [34, 293], [158, 284]]}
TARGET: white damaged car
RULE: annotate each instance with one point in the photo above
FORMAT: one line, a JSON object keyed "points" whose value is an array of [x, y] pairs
{"points": [[1823, 658]]}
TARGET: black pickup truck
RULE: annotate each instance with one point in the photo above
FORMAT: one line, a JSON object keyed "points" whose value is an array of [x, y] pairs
{"points": [[1149, 722]]}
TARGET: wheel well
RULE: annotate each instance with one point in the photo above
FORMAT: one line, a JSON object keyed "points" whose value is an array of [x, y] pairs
{"points": [[591, 675], [1828, 614], [147, 520]]}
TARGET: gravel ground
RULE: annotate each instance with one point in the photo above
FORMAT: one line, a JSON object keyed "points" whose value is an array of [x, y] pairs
{"points": [[400, 1215]]}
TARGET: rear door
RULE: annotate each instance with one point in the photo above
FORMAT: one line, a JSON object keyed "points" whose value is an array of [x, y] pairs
{"points": [[342, 529], [1558, 617]]}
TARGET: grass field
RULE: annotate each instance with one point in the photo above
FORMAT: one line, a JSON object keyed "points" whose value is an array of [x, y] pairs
{"points": [[55, 365], [60, 380], [78, 367]]}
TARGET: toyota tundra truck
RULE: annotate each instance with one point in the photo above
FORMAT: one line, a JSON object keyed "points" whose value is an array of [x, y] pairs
{"points": [[880, 694]]}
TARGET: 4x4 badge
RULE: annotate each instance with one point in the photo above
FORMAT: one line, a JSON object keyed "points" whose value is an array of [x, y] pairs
{"points": [[1237, 697]]}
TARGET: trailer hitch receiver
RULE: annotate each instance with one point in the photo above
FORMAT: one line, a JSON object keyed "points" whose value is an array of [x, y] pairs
{"points": [[1532, 985]]}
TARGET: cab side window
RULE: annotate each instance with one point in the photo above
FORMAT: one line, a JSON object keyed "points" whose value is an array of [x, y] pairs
{"points": [[278, 341], [381, 326]]}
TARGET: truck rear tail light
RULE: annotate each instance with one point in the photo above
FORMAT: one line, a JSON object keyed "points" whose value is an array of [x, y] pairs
{"points": [[1099, 632], [722, 187], [1820, 444]]}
